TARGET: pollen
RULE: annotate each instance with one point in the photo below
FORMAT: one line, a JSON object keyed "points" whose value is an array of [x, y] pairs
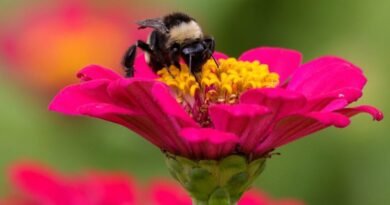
{"points": [[221, 83]]}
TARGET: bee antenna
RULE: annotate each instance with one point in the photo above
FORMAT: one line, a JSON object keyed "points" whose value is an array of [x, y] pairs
{"points": [[170, 73], [190, 63], [215, 61]]}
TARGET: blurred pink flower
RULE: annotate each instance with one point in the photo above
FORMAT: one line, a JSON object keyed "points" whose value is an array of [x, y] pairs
{"points": [[41, 186], [165, 192], [271, 101], [49, 43]]}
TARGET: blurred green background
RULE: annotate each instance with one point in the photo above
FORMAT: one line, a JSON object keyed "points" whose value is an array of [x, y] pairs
{"points": [[348, 166]]}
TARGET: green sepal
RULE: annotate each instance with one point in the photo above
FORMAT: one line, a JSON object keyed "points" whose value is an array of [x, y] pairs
{"points": [[201, 183], [231, 166], [216, 182]]}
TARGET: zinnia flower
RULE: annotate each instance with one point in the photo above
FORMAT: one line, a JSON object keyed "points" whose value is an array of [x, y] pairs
{"points": [[164, 192], [37, 185], [218, 127], [48, 43]]}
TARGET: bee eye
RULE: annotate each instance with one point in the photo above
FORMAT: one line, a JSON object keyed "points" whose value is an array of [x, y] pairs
{"points": [[187, 51]]}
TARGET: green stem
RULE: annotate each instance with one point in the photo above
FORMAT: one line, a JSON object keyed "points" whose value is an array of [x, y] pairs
{"points": [[199, 202], [196, 202]]}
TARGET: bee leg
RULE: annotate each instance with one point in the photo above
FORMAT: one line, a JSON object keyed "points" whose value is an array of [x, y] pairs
{"points": [[174, 58], [144, 46], [129, 58], [195, 74], [209, 42], [128, 61]]}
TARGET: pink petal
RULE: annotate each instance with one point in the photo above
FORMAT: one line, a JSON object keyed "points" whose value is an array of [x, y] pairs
{"points": [[253, 197], [153, 100], [333, 105], [208, 143], [280, 101], [41, 184], [245, 121], [326, 75], [94, 72], [296, 126], [280, 60], [136, 122], [218, 55], [109, 189], [142, 69], [374, 112], [333, 100], [69, 99], [101, 109], [170, 106], [168, 193]]}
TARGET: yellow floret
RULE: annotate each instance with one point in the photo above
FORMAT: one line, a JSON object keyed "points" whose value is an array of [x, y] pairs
{"points": [[223, 83]]}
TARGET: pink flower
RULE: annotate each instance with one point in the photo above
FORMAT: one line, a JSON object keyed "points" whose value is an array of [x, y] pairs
{"points": [[46, 44], [249, 106], [166, 193], [41, 186], [255, 197]]}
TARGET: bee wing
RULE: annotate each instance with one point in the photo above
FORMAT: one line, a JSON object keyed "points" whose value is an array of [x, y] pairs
{"points": [[156, 23]]}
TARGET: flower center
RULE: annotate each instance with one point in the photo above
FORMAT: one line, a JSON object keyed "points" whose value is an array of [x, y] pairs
{"points": [[216, 84]]}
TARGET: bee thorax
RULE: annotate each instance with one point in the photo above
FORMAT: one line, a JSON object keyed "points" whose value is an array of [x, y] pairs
{"points": [[184, 31]]}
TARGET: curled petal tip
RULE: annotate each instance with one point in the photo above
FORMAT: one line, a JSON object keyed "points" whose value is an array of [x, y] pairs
{"points": [[376, 114]]}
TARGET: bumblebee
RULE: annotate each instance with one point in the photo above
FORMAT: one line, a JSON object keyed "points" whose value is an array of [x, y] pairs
{"points": [[175, 37]]}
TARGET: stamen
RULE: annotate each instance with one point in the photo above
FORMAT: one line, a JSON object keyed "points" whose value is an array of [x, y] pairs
{"points": [[216, 84]]}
